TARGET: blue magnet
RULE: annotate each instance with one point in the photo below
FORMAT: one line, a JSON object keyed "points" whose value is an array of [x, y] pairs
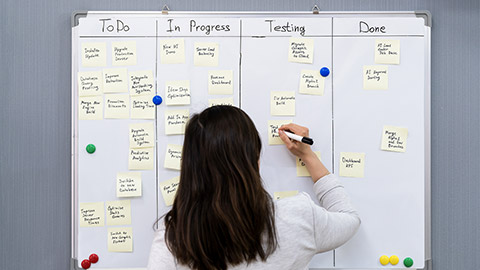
{"points": [[157, 100], [324, 71]]}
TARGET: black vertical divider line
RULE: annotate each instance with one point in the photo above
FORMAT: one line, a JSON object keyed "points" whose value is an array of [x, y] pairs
{"points": [[240, 70], [333, 121], [156, 122]]}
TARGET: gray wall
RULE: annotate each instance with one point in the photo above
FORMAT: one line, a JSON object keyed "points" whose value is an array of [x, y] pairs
{"points": [[35, 121]]}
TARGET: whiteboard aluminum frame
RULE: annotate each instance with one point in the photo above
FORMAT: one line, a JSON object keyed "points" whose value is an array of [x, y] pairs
{"points": [[425, 14]]}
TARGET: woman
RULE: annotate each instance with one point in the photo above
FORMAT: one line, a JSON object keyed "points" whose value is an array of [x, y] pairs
{"points": [[223, 218]]}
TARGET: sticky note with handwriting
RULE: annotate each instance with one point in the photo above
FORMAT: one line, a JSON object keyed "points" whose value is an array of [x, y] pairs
{"points": [[387, 51], [124, 53], [220, 101], [119, 212], [300, 50], [94, 54], [129, 184], [115, 80], [90, 83], [172, 51], [284, 194], [282, 103], [141, 82], [205, 54], [91, 214], [375, 77], [173, 156], [311, 83], [273, 125], [90, 108], [394, 139], [177, 92], [175, 121], [142, 107], [220, 82], [117, 106], [120, 239], [352, 164], [302, 168], [140, 159], [169, 190], [142, 135]]}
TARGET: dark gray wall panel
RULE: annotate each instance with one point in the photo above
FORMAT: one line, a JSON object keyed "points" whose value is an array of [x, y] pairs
{"points": [[35, 121]]}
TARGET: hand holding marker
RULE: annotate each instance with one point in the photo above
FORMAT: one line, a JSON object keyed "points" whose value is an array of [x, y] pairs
{"points": [[296, 137]]}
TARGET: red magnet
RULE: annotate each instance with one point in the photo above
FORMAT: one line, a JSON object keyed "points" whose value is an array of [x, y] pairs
{"points": [[85, 264], [93, 258]]}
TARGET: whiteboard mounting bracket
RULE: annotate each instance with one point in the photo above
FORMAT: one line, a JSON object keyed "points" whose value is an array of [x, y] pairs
{"points": [[165, 10], [315, 9]]}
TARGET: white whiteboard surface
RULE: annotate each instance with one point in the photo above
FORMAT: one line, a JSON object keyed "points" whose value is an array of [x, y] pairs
{"points": [[391, 199]]}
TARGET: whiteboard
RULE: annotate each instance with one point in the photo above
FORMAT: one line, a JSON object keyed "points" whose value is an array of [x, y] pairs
{"points": [[393, 196]]}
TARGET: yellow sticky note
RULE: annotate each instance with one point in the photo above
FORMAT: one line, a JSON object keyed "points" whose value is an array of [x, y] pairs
{"points": [[124, 53], [169, 190], [311, 83], [300, 50], [115, 80], [120, 239], [284, 194], [375, 77], [173, 156], [172, 51], [90, 83], [142, 107], [220, 101], [302, 168], [94, 54], [141, 82], [175, 121], [387, 51], [140, 159], [129, 184], [177, 92], [119, 212], [352, 164], [142, 135], [282, 103], [394, 139], [91, 214], [205, 54], [90, 108], [273, 125], [117, 106], [220, 82]]}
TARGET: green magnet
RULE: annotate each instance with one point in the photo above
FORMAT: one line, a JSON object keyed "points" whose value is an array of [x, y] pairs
{"points": [[408, 262], [91, 148]]}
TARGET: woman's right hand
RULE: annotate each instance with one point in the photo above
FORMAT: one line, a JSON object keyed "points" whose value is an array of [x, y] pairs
{"points": [[297, 148], [314, 166]]}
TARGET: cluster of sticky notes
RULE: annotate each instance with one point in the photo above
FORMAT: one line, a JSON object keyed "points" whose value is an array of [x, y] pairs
{"points": [[141, 151], [169, 190], [387, 52], [94, 54]]}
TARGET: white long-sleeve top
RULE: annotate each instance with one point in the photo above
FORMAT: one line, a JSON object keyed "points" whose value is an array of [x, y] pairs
{"points": [[303, 230]]}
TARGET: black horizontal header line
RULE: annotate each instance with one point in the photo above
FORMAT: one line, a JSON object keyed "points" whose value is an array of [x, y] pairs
{"points": [[258, 36]]}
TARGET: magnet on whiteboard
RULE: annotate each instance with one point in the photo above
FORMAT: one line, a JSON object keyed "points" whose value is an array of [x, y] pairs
{"points": [[91, 148], [157, 100], [93, 258], [324, 71], [384, 260], [394, 259], [86, 264], [408, 262]]}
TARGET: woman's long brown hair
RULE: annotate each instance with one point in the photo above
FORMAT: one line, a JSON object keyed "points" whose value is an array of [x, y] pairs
{"points": [[222, 216]]}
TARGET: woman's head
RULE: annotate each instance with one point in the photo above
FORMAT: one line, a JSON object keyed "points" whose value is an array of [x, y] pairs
{"points": [[221, 215]]}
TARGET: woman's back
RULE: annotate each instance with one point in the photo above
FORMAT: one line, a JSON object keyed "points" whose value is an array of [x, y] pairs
{"points": [[303, 230]]}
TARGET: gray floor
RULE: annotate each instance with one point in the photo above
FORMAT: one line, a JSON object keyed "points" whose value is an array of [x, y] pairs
{"points": [[35, 121]]}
